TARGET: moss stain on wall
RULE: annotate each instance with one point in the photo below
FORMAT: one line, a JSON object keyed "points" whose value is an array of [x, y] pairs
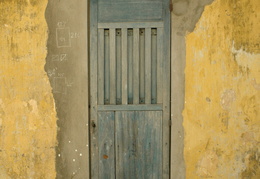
{"points": [[27, 110], [221, 116]]}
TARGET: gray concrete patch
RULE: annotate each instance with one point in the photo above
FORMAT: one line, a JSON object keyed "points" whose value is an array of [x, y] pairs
{"points": [[67, 69], [185, 15]]}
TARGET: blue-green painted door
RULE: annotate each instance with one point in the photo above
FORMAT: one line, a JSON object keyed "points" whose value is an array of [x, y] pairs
{"points": [[130, 88]]}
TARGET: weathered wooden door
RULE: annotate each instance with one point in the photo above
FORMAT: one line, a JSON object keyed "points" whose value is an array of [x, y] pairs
{"points": [[130, 88]]}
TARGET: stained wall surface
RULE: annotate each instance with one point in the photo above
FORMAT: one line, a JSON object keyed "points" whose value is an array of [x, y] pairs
{"points": [[27, 109], [44, 78], [222, 116]]}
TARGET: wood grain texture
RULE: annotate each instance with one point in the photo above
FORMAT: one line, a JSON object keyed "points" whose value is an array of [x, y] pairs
{"points": [[130, 65], [106, 121], [131, 24], [166, 93], [101, 57], [148, 66], [128, 11], [159, 65], [142, 66], [136, 67], [107, 68], [118, 66], [154, 66], [124, 67], [112, 41], [139, 149], [143, 107]]}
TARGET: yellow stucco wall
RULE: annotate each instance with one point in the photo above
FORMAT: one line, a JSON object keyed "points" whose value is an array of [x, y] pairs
{"points": [[221, 116], [27, 111], [222, 95]]}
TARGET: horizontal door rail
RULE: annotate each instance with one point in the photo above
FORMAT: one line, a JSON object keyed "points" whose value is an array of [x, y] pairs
{"points": [[131, 25], [139, 107]]}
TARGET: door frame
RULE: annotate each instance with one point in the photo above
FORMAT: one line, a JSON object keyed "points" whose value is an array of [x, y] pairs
{"points": [[177, 93]]}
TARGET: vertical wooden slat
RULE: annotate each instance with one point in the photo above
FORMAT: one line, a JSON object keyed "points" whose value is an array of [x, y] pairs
{"points": [[107, 68], [125, 144], [136, 67], [112, 40], [124, 66], [150, 142], [142, 67], [154, 66], [118, 66], [159, 65], [106, 144], [130, 65], [93, 89], [148, 66], [101, 68]]}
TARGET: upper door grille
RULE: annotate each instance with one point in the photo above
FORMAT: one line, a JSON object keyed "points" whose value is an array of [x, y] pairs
{"points": [[130, 66]]}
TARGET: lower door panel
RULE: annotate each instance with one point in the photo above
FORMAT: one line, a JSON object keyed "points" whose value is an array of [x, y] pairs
{"points": [[130, 144]]}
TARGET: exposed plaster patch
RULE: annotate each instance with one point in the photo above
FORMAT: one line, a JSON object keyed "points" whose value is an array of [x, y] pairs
{"points": [[255, 84], [248, 66], [208, 164], [227, 98], [34, 106]]}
